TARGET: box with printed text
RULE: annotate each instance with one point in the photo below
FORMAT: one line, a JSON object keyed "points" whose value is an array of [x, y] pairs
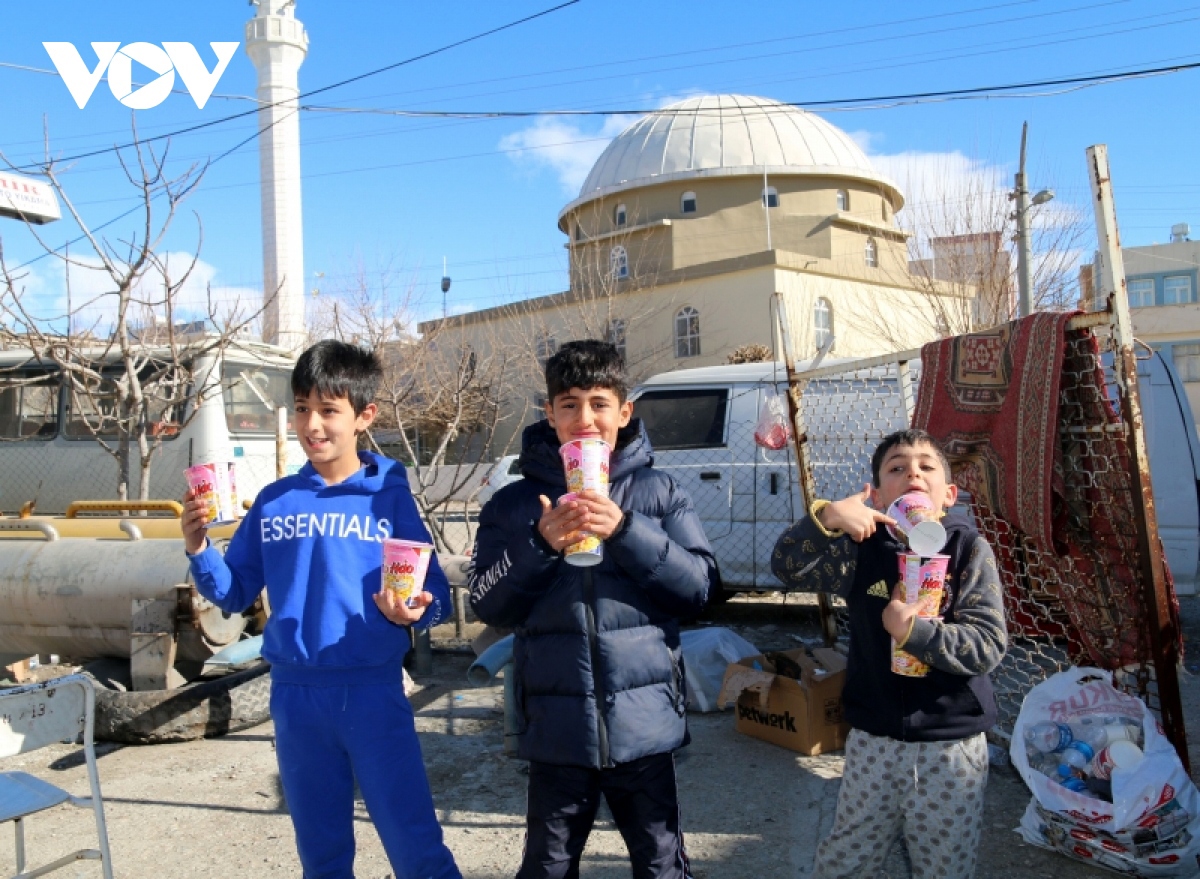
{"points": [[791, 698]]}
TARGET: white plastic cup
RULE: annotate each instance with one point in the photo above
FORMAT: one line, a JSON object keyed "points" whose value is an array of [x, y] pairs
{"points": [[586, 464], [1121, 754], [924, 585], [917, 524], [405, 564], [587, 551], [212, 485]]}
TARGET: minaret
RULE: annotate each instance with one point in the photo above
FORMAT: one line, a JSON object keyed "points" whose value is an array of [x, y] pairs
{"points": [[276, 43]]}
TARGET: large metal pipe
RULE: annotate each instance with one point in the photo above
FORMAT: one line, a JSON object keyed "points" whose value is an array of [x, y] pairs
{"points": [[74, 597]]}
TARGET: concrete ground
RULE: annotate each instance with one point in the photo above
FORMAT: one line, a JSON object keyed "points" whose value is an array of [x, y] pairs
{"points": [[213, 808]]}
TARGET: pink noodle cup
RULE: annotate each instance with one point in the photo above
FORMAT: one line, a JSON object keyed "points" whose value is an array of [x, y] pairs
{"points": [[917, 524], [585, 462], [924, 585], [212, 485], [589, 550], [405, 563]]}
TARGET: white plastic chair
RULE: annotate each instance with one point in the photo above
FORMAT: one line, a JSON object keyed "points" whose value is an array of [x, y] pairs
{"points": [[31, 718]]}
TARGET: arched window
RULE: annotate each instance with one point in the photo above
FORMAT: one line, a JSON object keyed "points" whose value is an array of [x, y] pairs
{"points": [[687, 332], [770, 197], [822, 323], [687, 203], [618, 263], [619, 215], [843, 200], [887, 210], [871, 253], [614, 334], [578, 232]]}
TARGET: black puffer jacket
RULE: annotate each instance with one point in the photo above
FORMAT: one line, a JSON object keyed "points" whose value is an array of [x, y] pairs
{"points": [[603, 636]]}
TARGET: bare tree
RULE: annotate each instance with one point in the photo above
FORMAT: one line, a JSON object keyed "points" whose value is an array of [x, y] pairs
{"points": [[129, 375], [440, 398], [751, 353], [962, 258]]}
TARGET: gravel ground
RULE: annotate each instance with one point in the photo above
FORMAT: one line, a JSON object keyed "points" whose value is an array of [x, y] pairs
{"points": [[213, 807]]}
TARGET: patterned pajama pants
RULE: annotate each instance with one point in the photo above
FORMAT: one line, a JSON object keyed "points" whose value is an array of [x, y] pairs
{"points": [[929, 792]]}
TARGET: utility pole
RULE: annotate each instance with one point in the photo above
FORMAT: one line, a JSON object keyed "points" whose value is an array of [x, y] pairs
{"points": [[1021, 194]]}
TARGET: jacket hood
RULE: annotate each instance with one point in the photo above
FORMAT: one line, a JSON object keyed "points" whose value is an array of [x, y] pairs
{"points": [[539, 453], [376, 474]]}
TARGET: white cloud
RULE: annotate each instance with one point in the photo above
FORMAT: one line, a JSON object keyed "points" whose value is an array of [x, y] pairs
{"points": [[564, 147], [568, 148]]}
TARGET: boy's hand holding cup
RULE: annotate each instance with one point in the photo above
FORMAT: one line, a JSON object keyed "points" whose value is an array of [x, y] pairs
{"points": [[595, 518], [402, 597]]}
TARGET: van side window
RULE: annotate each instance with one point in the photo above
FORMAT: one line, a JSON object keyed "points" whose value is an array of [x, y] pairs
{"points": [[684, 419], [28, 406], [252, 394]]}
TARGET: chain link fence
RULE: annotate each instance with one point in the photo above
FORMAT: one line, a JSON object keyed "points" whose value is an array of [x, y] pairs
{"points": [[1086, 608]]}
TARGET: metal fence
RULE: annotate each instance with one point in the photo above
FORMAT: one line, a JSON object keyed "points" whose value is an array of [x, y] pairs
{"points": [[1093, 606]]}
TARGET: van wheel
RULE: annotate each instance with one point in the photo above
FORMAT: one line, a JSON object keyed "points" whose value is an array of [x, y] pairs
{"points": [[204, 708]]}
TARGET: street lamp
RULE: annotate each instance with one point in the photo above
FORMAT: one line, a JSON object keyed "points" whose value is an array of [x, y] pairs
{"points": [[445, 286], [1021, 195]]}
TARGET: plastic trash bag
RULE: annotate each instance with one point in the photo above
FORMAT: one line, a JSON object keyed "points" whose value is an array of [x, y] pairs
{"points": [[772, 430], [1149, 825], [706, 654]]}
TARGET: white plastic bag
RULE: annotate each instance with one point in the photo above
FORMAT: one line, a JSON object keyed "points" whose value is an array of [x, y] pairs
{"points": [[706, 655], [1152, 826], [772, 430]]}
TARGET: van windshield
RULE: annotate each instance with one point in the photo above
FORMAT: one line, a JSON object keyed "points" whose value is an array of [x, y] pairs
{"points": [[684, 419], [252, 394]]}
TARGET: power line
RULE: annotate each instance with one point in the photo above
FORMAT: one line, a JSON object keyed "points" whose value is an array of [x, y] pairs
{"points": [[308, 94]]}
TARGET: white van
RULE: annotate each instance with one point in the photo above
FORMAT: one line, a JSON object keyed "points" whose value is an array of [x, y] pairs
{"points": [[701, 423]]}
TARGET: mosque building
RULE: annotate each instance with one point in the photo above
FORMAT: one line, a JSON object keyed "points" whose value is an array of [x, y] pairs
{"points": [[695, 216]]}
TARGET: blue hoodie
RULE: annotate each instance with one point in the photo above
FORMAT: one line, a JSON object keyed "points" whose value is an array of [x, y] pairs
{"points": [[318, 549]]}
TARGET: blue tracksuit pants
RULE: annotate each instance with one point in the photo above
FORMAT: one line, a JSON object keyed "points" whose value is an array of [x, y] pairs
{"points": [[335, 726]]}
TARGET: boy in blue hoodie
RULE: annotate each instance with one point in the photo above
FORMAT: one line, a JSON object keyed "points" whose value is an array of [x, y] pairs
{"points": [[334, 640], [599, 679]]}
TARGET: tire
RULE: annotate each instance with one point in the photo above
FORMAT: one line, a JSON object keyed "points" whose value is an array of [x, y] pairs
{"points": [[201, 709]]}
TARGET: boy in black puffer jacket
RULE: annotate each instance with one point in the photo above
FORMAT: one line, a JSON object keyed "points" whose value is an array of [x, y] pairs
{"points": [[600, 693], [916, 757]]}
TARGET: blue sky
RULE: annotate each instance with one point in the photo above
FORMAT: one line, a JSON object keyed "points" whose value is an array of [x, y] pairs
{"points": [[389, 194]]}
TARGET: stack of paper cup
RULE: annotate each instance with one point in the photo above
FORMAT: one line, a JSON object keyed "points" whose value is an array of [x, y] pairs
{"points": [[924, 585], [405, 563], [586, 464], [214, 485], [917, 524]]}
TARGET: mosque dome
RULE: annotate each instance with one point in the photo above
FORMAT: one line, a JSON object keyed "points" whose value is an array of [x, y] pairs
{"points": [[726, 136]]}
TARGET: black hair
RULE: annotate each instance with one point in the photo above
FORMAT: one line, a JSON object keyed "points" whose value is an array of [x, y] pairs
{"points": [[910, 437], [586, 364], [338, 370]]}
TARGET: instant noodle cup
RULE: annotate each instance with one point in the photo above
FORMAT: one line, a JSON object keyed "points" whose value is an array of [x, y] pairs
{"points": [[405, 563], [586, 464], [213, 486], [588, 550], [925, 586], [917, 523]]}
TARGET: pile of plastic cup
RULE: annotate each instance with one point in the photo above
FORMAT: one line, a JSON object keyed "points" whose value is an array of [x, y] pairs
{"points": [[405, 563], [1083, 755]]}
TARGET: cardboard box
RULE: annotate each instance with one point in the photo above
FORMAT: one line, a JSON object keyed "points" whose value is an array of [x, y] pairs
{"points": [[803, 714]]}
